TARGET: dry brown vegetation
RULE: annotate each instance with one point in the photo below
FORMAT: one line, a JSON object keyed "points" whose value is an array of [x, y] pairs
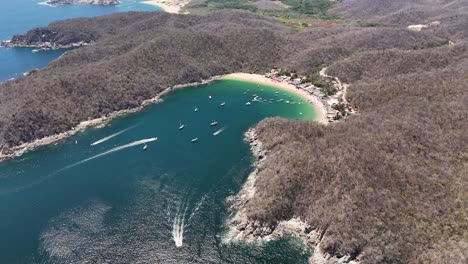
{"points": [[386, 186]]}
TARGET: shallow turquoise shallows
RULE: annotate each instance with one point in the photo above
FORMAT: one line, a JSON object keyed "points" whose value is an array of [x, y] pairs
{"points": [[19, 16], [114, 202]]}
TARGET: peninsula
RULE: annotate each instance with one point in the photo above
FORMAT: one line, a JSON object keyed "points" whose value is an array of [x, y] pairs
{"points": [[385, 185]]}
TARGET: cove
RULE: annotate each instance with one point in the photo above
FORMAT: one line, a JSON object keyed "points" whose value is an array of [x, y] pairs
{"points": [[99, 197]]}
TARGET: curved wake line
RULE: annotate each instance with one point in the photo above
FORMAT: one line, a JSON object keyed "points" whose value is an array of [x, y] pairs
{"points": [[129, 145], [119, 148], [179, 225], [111, 136]]}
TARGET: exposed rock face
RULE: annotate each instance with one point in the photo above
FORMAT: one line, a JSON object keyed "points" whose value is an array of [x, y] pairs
{"points": [[92, 2]]}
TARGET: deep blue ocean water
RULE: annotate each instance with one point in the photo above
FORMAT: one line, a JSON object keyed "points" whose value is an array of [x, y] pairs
{"points": [[18, 16], [113, 202]]}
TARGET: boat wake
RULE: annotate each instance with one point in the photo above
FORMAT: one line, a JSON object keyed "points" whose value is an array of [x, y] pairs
{"points": [[179, 225], [180, 222], [119, 148], [219, 131], [111, 136]]}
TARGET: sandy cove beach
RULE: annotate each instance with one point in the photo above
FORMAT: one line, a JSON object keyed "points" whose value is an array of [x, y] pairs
{"points": [[256, 78], [169, 6]]}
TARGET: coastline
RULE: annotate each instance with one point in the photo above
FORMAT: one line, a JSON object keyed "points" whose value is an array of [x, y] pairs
{"points": [[319, 107], [242, 229], [169, 6], [100, 121], [19, 150]]}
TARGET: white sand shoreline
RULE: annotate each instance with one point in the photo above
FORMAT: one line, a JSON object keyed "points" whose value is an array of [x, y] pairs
{"points": [[261, 79], [256, 78], [169, 6]]}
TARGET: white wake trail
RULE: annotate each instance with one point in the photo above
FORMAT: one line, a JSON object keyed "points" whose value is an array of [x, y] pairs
{"points": [[179, 225], [119, 148], [219, 131], [136, 143], [111, 136]]}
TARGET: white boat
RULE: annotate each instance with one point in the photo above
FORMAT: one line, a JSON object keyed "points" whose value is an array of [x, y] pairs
{"points": [[196, 109], [145, 147], [35, 50], [181, 126], [248, 103], [194, 139], [223, 103], [214, 123], [210, 97]]}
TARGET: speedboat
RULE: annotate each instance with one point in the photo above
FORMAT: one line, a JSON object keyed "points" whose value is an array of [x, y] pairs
{"points": [[248, 103], [145, 147], [196, 109], [223, 103], [209, 96], [181, 126], [214, 123], [194, 140]]}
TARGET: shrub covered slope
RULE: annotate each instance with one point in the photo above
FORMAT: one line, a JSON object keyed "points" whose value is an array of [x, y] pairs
{"points": [[388, 185]]}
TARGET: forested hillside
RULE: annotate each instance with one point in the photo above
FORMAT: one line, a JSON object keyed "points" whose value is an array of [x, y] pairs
{"points": [[388, 185]]}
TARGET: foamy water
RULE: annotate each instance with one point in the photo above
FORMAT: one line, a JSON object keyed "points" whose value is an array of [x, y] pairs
{"points": [[102, 140]]}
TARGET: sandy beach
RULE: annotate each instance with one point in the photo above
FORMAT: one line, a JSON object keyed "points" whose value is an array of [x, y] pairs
{"points": [[256, 78], [169, 6], [318, 105]]}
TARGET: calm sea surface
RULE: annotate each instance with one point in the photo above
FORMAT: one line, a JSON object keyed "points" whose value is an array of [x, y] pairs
{"points": [[99, 197]]}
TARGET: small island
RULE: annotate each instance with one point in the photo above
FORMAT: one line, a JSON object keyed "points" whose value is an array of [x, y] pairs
{"points": [[92, 2]]}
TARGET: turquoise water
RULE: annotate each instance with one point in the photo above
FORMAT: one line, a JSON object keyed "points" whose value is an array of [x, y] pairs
{"points": [[18, 16], [113, 202], [117, 203]]}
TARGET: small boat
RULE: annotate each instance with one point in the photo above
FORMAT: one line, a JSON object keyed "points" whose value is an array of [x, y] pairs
{"points": [[209, 96], [194, 139], [300, 113], [76, 142], [196, 109], [223, 103], [145, 147], [276, 92], [35, 50], [181, 126], [213, 123], [248, 103]]}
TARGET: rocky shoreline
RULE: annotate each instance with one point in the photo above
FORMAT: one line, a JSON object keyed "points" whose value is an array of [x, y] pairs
{"points": [[41, 46], [97, 122], [91, 2], [243, 229]]}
